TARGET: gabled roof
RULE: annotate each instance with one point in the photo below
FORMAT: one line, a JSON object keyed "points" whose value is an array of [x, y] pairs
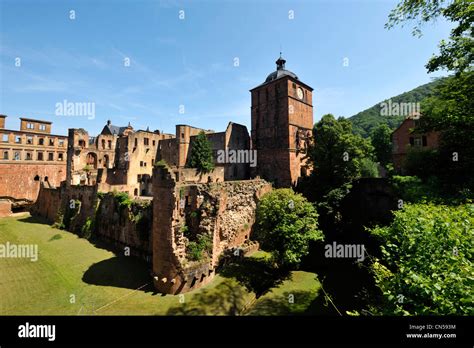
{"points": [[109, 128]]}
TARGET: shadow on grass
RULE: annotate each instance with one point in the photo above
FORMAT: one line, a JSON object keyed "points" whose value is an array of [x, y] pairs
{"points": [[257, 275], [348, 283], [123, 272], [35, 220], [227, 298], [302, 303]]}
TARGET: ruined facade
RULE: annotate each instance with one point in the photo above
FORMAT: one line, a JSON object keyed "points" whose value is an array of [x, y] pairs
{"points": [[27, 157], [119, 158], [194, 218], [216, 216]]}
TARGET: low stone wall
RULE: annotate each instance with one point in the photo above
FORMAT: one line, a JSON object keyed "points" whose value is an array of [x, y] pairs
{"points": [[5, 207], [81, 210]]}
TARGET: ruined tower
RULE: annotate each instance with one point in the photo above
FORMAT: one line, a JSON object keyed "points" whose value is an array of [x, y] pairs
{"points": [[282, 122]]}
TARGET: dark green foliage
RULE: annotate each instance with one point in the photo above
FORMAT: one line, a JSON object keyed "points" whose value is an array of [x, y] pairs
{"points": [[286, 223], [201, 154], [457, 53], [365, 121], [451, 113], [368, 168], [88, 228], [413, 189], [336, 155], [123, 199], [422, 163], [380, 138], [161, 164], [426, 265], [196, 250]]}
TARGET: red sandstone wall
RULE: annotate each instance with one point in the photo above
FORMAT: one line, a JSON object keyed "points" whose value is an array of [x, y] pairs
{"points": [[5, 208], [17, 180]]}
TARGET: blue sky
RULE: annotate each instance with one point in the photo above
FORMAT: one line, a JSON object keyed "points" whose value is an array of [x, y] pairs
{"points": [[190, 61]]}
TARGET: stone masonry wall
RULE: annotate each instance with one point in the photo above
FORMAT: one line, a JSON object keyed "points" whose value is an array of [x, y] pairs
{"points": [[123, 226], [222, 212]]}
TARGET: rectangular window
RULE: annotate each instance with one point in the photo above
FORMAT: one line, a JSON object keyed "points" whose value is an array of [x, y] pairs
{"points": [[139, 178], [16, 156], [5, 138], [29, 140], [5, 155], [154, 143], [418, 141], [42, 127], [17, 139], [50, 156], [40, 156], [61, 142], [109, 144], [141, 163], [60, 156], [146, 141], [29, 157], [30, 126], [136, 142], [51, 141], [40, 141]]}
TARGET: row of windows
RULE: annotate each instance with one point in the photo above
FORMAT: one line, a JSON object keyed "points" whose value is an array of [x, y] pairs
{"points": [[28, 156], [41, 127], [30, 140], [146, 142]]}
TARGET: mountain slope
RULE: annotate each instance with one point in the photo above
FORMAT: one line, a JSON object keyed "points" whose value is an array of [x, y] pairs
{"points": [[365, 121]]}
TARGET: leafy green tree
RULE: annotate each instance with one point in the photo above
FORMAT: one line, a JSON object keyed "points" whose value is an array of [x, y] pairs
{"points": [[451, 113], [457, 53], [368, 168], [336, 154], [286, 223], [382, 143], [426, 265], [201, 154]]}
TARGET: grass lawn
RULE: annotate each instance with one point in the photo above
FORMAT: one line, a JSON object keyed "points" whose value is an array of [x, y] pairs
{"points": [[73, 276]]}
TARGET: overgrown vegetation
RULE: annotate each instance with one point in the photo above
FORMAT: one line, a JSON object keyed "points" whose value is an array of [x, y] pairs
{"points": [[427, 261], [199, 249]]}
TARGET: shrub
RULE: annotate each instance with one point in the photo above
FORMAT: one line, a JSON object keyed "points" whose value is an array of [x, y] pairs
{"points": [[161, 164], [368, 168], [195, 249], [123, 200], [286, 223], [426, 267]]}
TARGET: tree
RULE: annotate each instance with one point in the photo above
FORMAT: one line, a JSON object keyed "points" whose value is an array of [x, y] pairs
{"points": [[201, 154], [382, 143], [457, 53], [450, 112], [286, 223], [336, 154]]}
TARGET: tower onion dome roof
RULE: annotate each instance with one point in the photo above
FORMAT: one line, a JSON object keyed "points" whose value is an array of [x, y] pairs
{"points": [[280, 71]]}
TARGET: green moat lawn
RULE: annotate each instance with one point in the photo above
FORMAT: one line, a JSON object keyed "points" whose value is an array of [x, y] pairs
{"points": [[75, 277]]}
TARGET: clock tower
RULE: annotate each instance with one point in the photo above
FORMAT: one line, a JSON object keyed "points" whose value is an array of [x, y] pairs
{"points": [[282, 123]]}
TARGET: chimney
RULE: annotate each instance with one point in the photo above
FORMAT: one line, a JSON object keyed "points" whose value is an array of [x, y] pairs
{"points": [[2, 121]]}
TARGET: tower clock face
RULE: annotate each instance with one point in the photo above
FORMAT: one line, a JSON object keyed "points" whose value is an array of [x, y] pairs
{"points": [[299, 92]]}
